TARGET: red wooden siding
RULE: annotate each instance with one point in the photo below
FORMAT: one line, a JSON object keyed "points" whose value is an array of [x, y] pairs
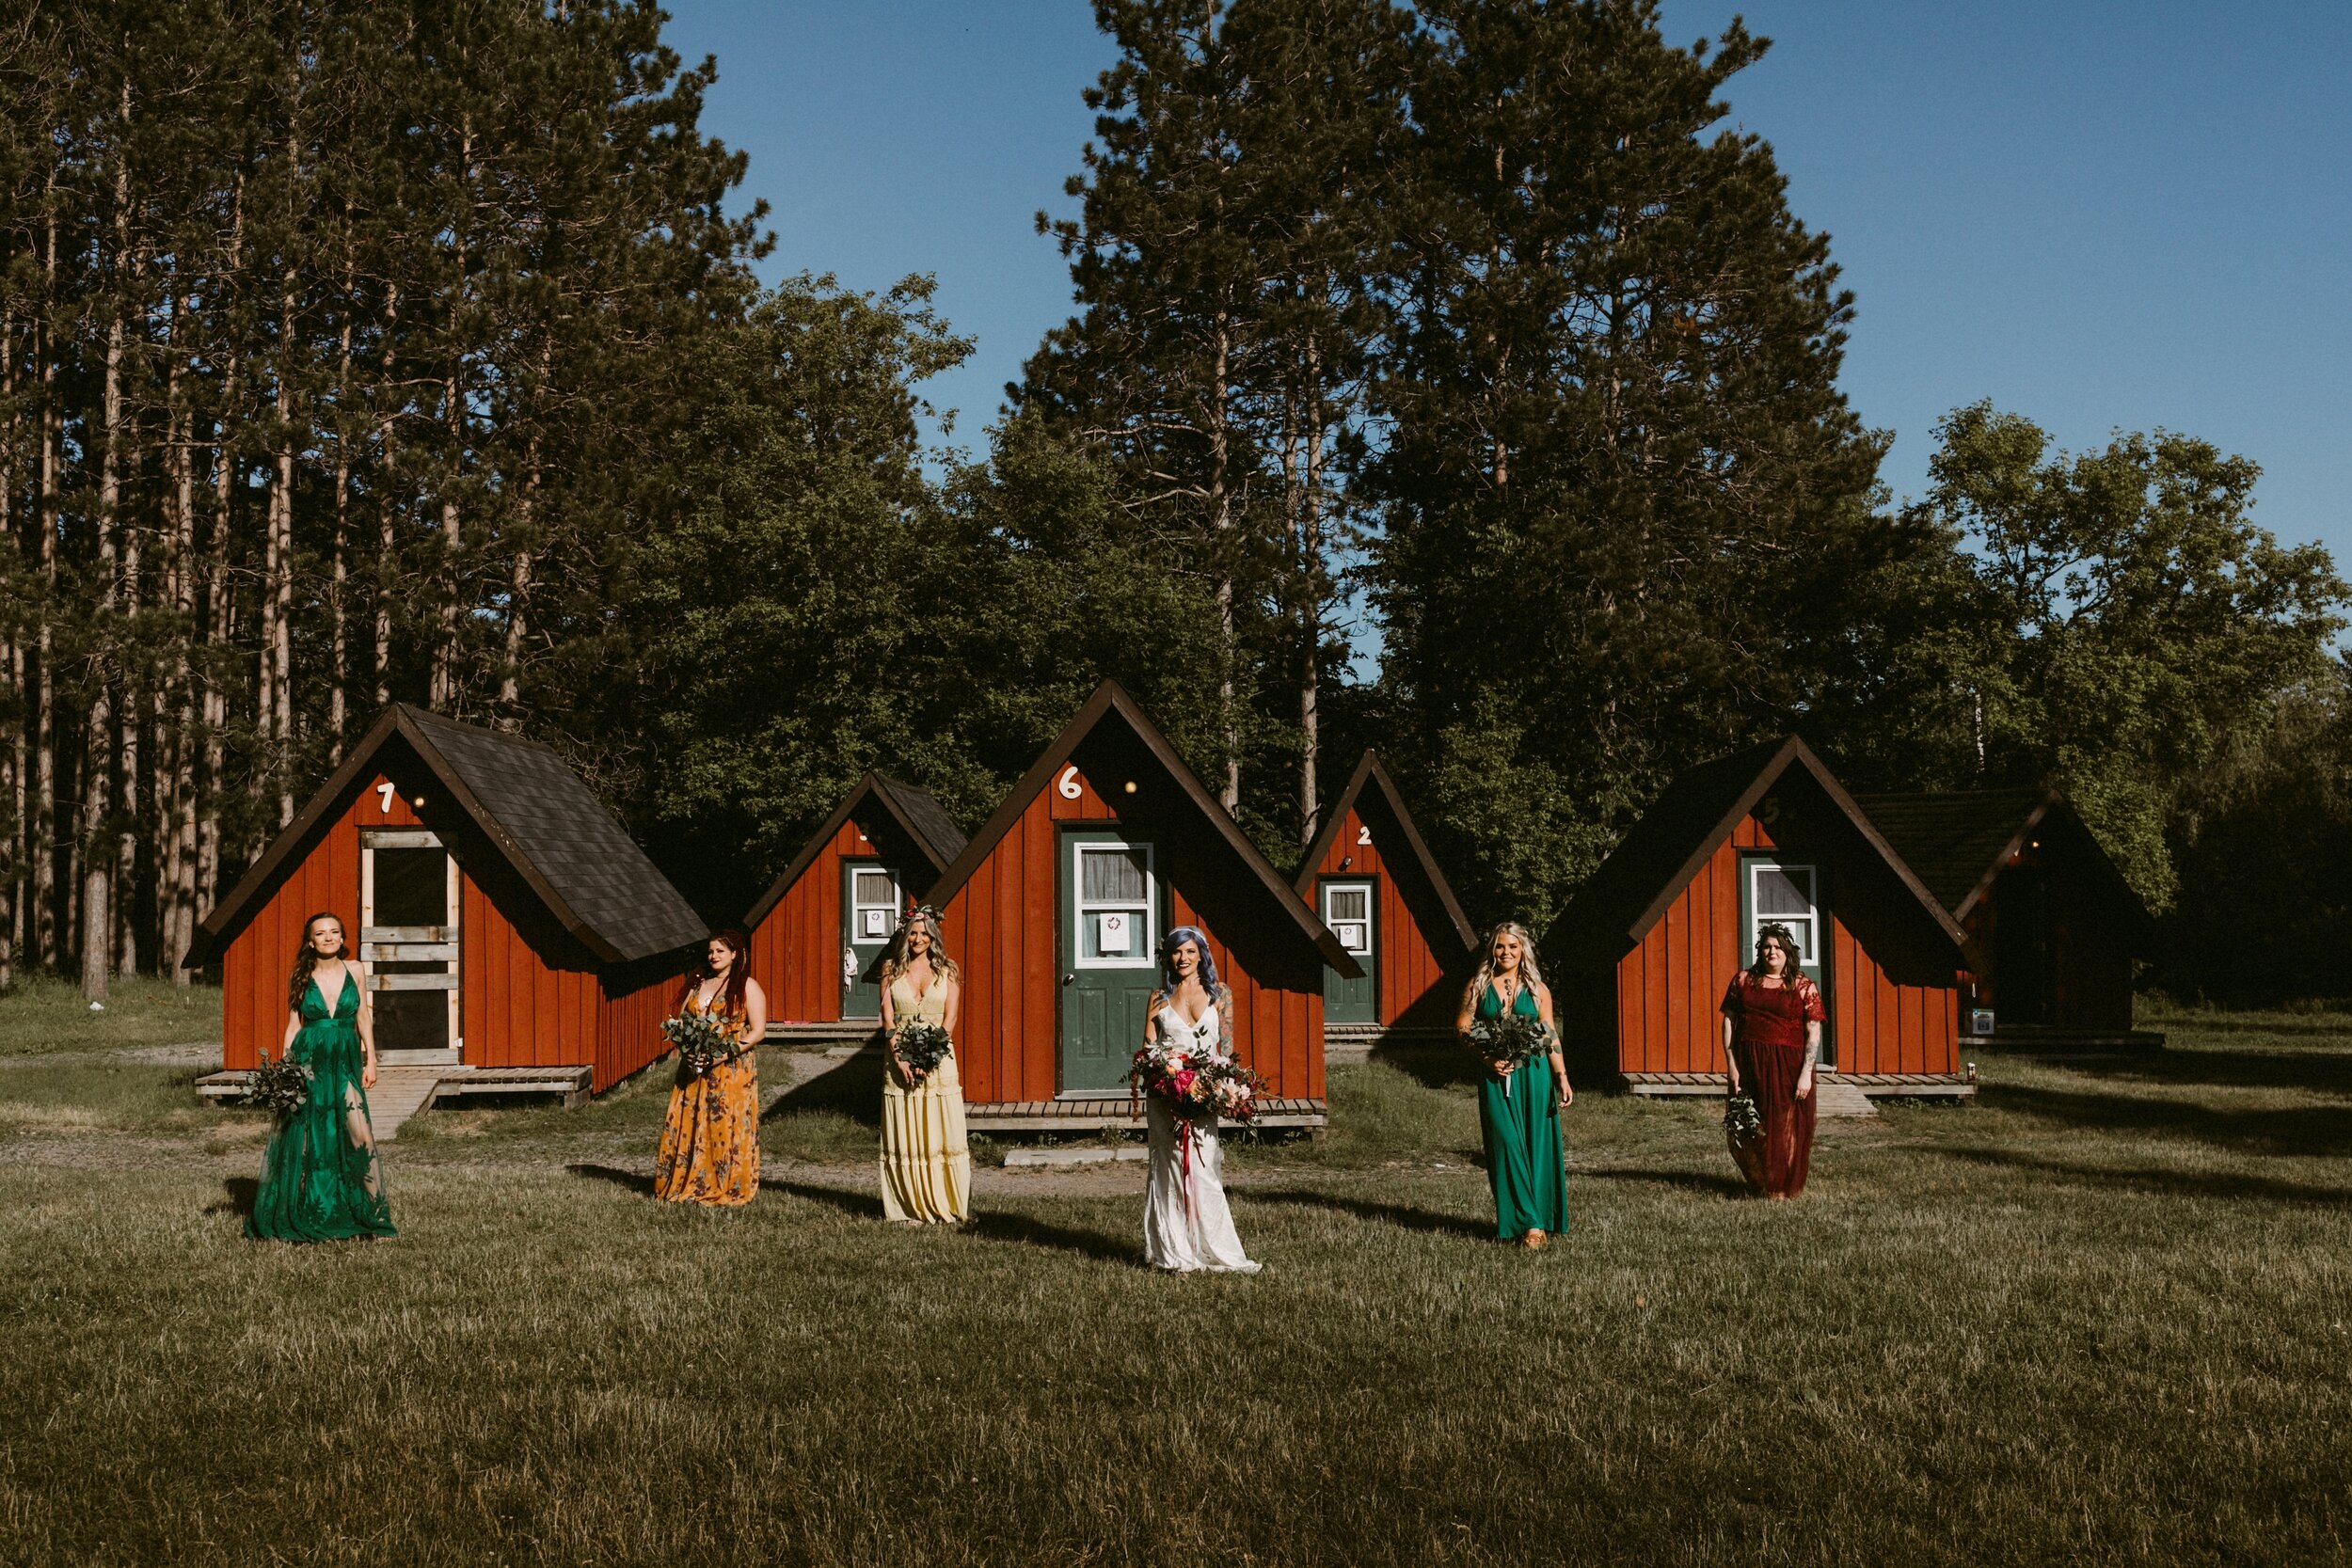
{"points": [[327, 880], [1001, 926], [1669, 989], [796, 952], [515, 1008], [629, 1025], [1412, 979]]}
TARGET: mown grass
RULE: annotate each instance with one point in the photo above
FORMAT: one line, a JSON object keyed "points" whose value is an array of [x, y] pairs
{"points": [[2101, 1318]]}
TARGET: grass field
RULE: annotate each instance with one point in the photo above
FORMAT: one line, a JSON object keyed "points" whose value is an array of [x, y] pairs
{"points": [[2105, 1316]]}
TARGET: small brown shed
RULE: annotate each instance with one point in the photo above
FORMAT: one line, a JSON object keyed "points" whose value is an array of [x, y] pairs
{"points": [[511, 926], [2053, 926], [1374, 884], [1639, 961], [1056, 909], [818, 932]]}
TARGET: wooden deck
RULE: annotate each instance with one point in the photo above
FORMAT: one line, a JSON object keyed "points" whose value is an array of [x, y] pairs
{"points": [[811, 1035], [1878, 1085], [1085, 1115]]}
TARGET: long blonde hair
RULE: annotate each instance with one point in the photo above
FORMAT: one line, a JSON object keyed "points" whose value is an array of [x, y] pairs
{"points": [[1530, 975], [894, 960]]}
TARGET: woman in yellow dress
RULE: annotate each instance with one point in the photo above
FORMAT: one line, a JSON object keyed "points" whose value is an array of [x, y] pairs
{"points": [[926, 1164], [710, 1139]]}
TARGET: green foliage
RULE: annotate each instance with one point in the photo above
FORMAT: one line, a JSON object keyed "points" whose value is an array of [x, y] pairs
{"points": [[2122, 623]]}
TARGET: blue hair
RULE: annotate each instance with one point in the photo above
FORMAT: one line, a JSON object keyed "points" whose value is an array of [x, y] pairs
{"points": [[1176, 938]]}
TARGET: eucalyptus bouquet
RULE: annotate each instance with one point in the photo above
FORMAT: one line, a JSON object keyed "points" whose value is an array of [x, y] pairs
{"points": [[280, 1087], [922, 1044], [1508, 1039], [702, 1041], [1742, 1122]]}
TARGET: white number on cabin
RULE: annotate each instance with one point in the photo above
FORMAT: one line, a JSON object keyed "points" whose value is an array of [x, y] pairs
{"points": [[384, 798], [1068, 785], [1363, 835]]}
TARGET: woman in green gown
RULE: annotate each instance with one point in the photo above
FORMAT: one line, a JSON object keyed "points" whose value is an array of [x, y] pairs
{"points": [[1518, 1107], [320, 1178]]}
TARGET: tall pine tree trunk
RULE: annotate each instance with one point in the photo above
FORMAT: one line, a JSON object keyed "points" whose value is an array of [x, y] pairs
{"points": [[1222, 522], [46, 945], [175, 806], [218, 617], [13, 664], [386, 538]]}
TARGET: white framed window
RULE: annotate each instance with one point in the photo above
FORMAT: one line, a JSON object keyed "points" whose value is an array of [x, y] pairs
{"points": [[1780, 893], [1117, 897], [1348, 910], [873, 904]]}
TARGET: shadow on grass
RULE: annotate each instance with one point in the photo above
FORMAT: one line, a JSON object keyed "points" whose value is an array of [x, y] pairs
{"points": [[630, 1179], [999, 1225], [2319, 1069], [863, 1206], [238, 1196], [2167, 1183], [1432, 1065], [1377, 1213], [2301, 1130], [853, 1089], [1689, 1180]]}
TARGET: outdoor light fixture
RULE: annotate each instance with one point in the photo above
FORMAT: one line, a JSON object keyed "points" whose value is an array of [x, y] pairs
{"points": [[1131, 786]]}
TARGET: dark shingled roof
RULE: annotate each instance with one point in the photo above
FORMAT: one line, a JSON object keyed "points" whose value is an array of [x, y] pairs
{"points": [[530, 804], [1959, 840], [1683, 829], [1956, 841], [922, 818]]}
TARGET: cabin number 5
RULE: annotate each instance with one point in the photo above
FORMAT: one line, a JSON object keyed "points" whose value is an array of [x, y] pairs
{"points": [[1069, 782]]}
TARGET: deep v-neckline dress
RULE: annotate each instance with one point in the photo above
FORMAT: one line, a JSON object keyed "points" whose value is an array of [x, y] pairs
{"points": [[320, 1180], [1521, 1128], [926, 1161]]}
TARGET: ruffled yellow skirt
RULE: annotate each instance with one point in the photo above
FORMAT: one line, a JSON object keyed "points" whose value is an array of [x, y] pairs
{"points": [[926, 1163]]}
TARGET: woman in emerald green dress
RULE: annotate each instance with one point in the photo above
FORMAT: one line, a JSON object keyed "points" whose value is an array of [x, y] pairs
{"points": [[1520, 1106], [320, 1178]]}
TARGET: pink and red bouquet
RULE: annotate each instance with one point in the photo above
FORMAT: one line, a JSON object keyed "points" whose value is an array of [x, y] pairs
{"points": [[1198, 1085]]}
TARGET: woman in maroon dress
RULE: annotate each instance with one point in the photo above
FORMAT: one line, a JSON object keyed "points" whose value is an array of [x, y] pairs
{"points": [[1772, 1017]]}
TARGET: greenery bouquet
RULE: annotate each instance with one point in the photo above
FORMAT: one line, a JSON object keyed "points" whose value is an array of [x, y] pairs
{"points": [[1508, 1040], [1744, 1135], [922, 1044], [702, 1041], [279, 1088]]}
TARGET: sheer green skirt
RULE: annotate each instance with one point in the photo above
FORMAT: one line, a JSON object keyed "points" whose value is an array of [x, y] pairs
{"points": [[321, 1180]]}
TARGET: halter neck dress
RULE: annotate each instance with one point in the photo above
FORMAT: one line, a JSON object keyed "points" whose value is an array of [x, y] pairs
{"points": [[1186, 1224], [321, 1180], [926, 1163], [1522, 1126]]}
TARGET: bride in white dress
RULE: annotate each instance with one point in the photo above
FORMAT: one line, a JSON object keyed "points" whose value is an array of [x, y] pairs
{"points": [[1186, 1225]]}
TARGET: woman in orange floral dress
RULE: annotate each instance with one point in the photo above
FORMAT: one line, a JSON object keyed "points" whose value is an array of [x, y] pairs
{"points": [[710, 1139]]}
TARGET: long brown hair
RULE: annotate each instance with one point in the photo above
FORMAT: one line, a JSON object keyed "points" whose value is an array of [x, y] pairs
{"points": [[307, 960], [738, 973]]}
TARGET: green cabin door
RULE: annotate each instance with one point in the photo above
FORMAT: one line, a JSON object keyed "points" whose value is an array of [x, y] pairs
{"points": [[1349, 905], [1110, 914], [1788, 893], [869, 916]]}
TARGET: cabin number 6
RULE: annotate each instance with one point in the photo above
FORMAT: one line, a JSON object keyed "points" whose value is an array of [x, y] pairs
{"points": [[1069, 782]]}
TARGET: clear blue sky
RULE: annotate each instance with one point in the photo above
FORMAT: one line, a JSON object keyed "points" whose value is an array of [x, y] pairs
{"points": [[2100, 214]]}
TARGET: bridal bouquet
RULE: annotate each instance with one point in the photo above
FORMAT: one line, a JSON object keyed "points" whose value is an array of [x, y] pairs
{"points": [[280, 1087], [1198, 1085], [922, 1044], [702, 1041], [1508, 1040]]}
